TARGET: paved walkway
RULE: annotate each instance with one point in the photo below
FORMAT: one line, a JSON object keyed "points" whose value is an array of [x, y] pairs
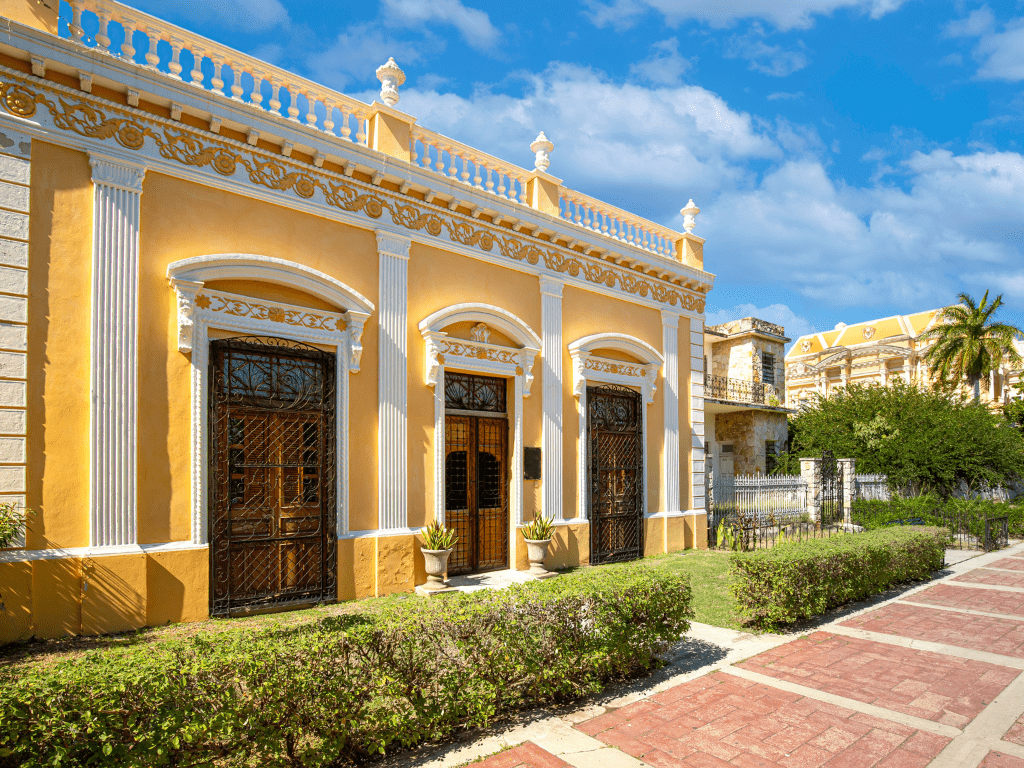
{"points": [[931, 677]]}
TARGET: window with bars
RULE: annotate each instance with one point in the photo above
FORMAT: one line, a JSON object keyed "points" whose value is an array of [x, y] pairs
{"points": [[771, 451], [768, 368]]}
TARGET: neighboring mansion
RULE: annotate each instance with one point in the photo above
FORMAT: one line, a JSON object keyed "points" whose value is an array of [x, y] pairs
{"points": [[744, 396], [255, 334], [876, 351]]}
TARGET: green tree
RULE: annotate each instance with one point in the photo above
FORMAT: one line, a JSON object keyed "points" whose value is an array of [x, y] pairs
{"points": [[969, 344], [927, 439]]}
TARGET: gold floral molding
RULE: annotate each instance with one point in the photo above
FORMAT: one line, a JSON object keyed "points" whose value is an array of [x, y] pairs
{"points": [[230, 305], [442, 350], [489, 352], [85, 119], [619, 369]]}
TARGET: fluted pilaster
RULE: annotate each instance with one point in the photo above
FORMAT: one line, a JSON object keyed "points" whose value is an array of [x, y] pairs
{"points": [[670, 348], [551, 367], [117, 193], [392, 413]]}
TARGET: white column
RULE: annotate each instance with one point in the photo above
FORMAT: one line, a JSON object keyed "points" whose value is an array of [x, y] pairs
{"points": [[392, 389], [15, 178], [670, 348], [551, 360], [697, 413], [517, 454], [117, 193]]}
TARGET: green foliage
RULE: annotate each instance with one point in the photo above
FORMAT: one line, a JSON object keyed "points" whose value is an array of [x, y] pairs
{"points": [[438, 537], [346, 687], [13, 520], [969, 344], [1014, 409], [539, 529], [927, 440], [796, 581], [932, 510]]}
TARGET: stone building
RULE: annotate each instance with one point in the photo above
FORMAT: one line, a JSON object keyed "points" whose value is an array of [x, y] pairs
{"points": [[745, 396], [254, 334]]}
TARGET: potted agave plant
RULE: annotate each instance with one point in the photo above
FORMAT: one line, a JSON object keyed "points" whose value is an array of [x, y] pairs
{"points": [[538, 535], [438, 543]]}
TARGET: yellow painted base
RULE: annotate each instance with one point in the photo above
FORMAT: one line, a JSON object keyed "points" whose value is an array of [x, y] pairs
{"points": [[113, 593], [177, 587]]}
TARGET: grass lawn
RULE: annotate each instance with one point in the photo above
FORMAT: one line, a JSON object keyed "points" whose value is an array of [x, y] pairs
{"points": [[710, 580]]}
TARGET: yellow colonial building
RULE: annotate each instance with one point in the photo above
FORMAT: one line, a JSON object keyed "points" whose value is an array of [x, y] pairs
{"points": [[255, 333], [876, 351]]}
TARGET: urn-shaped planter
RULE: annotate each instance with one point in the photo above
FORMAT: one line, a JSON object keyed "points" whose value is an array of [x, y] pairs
{"points": [[537, 552], [436, 561]]}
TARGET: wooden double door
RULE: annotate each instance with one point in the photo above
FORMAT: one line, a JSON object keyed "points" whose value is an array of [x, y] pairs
{"points": [[476, 472], [273, 539]]}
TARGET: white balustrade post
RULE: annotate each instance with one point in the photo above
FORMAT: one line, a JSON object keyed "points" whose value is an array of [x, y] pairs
{"points": [[551, 372], [392, 413], [117, 193], [670, 348]]}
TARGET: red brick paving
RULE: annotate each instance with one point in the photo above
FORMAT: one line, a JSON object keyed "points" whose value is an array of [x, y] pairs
{"points": [[1001, 760], [982, 633], [973, 599], [723, 720], [1011, 563], [526, 755], [920, 683], [985, 576], [1016, 732]]}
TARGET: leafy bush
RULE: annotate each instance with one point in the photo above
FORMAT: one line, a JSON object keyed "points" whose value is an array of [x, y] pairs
{"points": [[346, 687], [796, 581], [13, 520], [928, 509], [923, 439]]}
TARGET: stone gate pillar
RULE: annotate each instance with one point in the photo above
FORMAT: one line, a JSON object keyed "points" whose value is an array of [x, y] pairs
{"points": [[810, 471], [849, 469]]}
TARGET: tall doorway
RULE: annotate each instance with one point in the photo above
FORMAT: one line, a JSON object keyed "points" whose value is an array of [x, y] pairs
{"points": [[476, 471], [273, 539], [615, 456]]}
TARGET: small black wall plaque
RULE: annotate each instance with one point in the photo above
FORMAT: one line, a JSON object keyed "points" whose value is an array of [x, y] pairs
{"points": [[531, 463]]}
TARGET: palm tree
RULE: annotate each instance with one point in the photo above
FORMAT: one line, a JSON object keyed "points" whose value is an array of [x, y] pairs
{"points": [[969, 344]]}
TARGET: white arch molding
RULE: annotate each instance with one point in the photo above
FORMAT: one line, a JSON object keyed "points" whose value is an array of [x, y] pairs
{"points": [[470, 356], [587, 368], [200, 309]]}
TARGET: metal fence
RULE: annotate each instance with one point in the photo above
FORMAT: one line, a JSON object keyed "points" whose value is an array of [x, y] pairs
{"points": [[876, 488], [871, 488], [760, 496]]}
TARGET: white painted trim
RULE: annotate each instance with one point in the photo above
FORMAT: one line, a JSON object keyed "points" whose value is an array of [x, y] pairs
{"points": [[670, 464], [552, 428], [377, 532], [267, 269], [447, 353], [29, 555], [113, 413], [640, 376], [195, 318]]}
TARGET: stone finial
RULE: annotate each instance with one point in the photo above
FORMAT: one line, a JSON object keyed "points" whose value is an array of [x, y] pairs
{"points": [[390, 77], [542, 147], [689, 216]]}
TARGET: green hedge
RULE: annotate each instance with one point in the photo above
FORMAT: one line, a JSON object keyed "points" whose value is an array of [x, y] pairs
{"points": [[343, 687], [930, 508], [796, 581]]}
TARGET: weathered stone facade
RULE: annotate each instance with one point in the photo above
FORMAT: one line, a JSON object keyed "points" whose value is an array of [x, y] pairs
{"points": [[748, 431]]}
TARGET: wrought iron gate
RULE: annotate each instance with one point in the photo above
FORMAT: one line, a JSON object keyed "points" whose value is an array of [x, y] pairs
{"points": [[615, 455], [832, 511], [476, 472], [273, 539]]}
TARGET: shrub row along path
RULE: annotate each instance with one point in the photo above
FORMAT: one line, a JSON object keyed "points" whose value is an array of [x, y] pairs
{"points": [[931, 677]]}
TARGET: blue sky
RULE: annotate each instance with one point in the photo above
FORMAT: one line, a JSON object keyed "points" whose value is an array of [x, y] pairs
{"points": [[852, 159]]}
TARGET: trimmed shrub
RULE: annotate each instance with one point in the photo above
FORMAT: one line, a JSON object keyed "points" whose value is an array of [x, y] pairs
{"points": [[796, 581], [931, 510], [345, 687]]}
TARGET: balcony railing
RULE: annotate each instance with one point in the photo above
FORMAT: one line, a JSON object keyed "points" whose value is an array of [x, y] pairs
{"points": [[740, 391]]}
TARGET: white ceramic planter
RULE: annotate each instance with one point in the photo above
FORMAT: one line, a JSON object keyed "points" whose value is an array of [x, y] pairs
{"points": [[436, 561], [537, 551]]}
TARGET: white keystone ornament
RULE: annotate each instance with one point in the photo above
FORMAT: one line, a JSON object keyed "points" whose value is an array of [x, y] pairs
{"points": [[689, 216], [390, 77], [542, 147]]}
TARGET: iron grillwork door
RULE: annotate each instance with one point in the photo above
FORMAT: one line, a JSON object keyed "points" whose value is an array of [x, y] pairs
{"points": [[273, 539], [615, 455], [476, 472], [832, 511]]}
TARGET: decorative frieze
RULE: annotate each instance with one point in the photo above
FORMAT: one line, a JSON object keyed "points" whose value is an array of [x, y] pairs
{"points": [[392, 392], [117, 192]]}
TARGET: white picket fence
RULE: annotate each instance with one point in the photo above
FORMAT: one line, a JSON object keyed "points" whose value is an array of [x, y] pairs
{"points": [[760, 496]]}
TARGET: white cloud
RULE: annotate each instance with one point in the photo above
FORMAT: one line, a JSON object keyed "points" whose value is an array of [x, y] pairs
{"points": [[1003, 53], [782, 14], [767, 59], [356, 53], [474, 25], [245, 15], [978, 22], [665, 65], [783, 95]]}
